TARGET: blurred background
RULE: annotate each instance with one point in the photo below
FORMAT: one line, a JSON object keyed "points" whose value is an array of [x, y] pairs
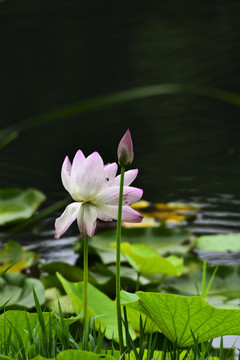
{"points": [[187, 148]]}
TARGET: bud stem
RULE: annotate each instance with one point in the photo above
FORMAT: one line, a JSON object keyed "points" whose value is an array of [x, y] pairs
{"points": [[118, 255]]}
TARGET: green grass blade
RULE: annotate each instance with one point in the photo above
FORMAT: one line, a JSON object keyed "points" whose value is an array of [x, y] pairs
{"points": [[39, 312], [211, 280], [21, 351]]}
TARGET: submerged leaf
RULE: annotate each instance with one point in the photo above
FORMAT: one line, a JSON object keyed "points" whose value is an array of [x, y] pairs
{"points": [[17, 204], [12, 252], [178, 317]]}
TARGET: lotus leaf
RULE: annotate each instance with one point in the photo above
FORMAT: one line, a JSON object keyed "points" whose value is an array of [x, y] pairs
{"points": [[146, 260], [178, 317]]}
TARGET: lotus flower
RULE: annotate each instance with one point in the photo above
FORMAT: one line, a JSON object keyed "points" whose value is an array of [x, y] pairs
{"points": [[94, 187]]}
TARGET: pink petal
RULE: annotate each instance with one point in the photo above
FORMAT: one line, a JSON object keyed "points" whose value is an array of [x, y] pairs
{"points": [[87, 219], [131, 195], [77, 164], [110, 210], [128, 214], [110, 171], [110, 196], [91, 177], [65, 174], [102, 216], [131, 215], [66, 219], [129, 177]]}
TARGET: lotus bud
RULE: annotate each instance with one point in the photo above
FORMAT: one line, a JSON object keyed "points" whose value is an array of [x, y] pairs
{"points": [[125, 150]]}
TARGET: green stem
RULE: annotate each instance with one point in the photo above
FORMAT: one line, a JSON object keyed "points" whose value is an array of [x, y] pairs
{"points": [[118, 254], [85, 279]]}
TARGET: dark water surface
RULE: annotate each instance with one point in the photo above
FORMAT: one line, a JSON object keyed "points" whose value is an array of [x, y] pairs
{"points": [[187, 147]]}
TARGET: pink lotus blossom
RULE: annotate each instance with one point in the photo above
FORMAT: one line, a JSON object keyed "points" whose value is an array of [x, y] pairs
{"points": [[125, 150], [94, 187]]}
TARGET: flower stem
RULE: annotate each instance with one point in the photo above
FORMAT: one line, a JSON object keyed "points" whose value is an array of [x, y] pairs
{"points": [[118, 254], [85, 279]]}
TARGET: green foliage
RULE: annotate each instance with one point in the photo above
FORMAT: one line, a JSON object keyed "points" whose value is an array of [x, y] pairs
{"points": [[179, 317], [17, 204]]}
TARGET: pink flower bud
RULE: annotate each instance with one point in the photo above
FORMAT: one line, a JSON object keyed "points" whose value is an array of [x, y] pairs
{"points": [[125, 150]]}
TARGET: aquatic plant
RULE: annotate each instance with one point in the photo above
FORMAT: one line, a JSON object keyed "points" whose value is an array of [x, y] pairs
{"points": [[94, 187]]}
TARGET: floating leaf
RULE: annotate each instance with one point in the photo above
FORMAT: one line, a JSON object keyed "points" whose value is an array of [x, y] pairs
{"points": [[178, 317], [99, 305], [12, 252], [17, 204], [146, 260], [219, 242], [161, 238], [146, 222], [142, 204], [17, 290]]}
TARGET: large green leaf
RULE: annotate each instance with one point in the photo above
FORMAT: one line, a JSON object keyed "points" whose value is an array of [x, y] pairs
{"points": [[17, 290], [99, 306], [162, 239], [146, 260], [178, 317], [18, 319], [219, 242], [17, 204]]}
